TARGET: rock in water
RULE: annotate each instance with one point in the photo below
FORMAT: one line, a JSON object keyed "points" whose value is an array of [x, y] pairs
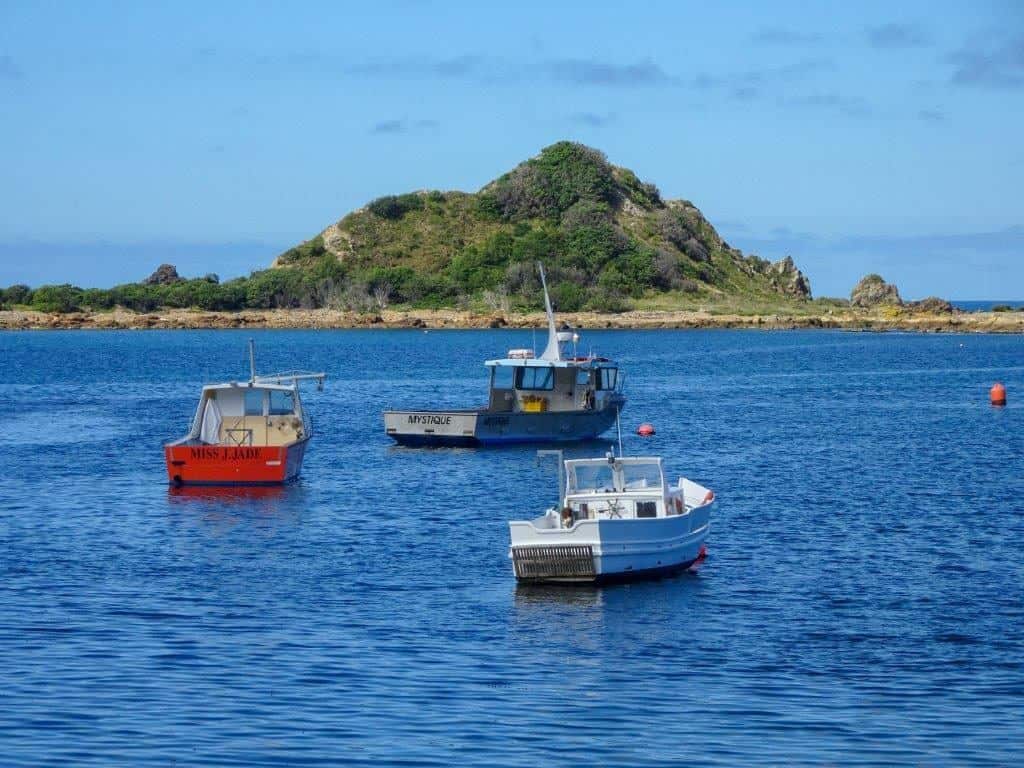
{"points": [[873, 291], [791, 281], [165, 275]]}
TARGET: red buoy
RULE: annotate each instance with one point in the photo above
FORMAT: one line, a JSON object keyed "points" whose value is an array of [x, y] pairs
{"points": [[997, 395], [645, 430]]}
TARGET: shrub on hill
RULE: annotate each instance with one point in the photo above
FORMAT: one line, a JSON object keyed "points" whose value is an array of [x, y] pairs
{"points": [[396, 206], [57, 298], [551, 183], [15, 295]]}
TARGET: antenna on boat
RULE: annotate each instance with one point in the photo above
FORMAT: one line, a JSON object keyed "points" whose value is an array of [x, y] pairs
{"points": [[252, 361], [551, 352]]}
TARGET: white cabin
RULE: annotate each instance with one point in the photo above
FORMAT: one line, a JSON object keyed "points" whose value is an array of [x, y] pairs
{"points": [[249, 414], [620, 489]]}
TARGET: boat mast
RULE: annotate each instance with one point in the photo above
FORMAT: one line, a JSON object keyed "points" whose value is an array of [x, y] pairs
{"points": [[551, 352], [252, 361]]}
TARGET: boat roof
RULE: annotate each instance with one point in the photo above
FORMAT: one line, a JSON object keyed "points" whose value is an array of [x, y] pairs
{"points": [[624, 460], [291, 387], [534, 362]]}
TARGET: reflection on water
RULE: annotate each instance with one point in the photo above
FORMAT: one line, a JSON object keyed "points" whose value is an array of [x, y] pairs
{"points": [[227, 495], [530, 597]]}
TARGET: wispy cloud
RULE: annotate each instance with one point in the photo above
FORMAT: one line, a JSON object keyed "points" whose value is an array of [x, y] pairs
{"points": [[850, 106], [988, 65], [889, 36], [593, 119], [452, 68], [604, 73], [471, 67], [401, 125], [783, 37], [9, 69], [750, 84]]}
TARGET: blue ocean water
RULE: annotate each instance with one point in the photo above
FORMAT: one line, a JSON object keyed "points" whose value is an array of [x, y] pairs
{"points": [[986, 306], [860, 605]]}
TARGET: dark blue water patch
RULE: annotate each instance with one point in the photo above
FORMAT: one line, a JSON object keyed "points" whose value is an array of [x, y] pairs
{"points": [[860, 603], [986, 306]]}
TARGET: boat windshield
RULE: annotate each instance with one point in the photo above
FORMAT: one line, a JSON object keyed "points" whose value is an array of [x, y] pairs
{"points": [[591, 477], [641, 476], [628, 475], [282, 402]]}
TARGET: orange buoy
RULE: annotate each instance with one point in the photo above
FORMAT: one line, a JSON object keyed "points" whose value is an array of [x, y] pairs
{"points": [[645, 430], [997, 395]]}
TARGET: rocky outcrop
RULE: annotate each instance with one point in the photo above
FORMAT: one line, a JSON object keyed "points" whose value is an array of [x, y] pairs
{"points": [[165, 275], [933, 305], [790, 280], [873, 291]]}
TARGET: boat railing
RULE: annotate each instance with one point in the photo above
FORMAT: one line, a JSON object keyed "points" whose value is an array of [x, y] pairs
{"points": [[292, 377]]}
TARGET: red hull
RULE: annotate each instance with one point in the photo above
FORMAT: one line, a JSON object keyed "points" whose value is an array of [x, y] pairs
{"points": [[233, 465]]}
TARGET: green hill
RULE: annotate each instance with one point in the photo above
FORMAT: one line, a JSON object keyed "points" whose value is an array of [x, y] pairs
{"points": [[606, 238]]}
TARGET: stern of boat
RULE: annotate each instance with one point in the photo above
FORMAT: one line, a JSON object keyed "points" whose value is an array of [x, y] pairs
{"points": [[198, 464], [542, 551]]}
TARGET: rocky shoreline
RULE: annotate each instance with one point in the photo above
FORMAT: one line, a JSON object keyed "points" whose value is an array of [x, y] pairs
{"points": [[853, 320]]}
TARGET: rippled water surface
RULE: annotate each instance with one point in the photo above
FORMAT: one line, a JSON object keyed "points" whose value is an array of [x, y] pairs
{"points": [[861, 602]]}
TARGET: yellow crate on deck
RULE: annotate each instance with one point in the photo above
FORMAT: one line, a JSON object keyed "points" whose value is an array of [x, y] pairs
{"points": [[534, 404]]}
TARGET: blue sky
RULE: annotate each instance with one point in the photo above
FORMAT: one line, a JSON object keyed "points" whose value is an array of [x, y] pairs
{"points": [[856, 137]]}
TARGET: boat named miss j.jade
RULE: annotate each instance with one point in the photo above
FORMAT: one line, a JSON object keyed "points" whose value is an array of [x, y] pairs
{"points": [[253, 432], [558, 397]]}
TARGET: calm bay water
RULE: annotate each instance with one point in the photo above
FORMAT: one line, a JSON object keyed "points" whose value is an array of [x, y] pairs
{"points": [[861, 603], [986, 306]]}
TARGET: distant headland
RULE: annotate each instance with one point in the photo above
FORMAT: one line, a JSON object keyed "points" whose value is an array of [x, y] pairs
{"points": [[617, 255]]}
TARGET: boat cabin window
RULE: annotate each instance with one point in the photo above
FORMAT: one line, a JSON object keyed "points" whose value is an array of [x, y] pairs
{"points": [[606, 378], [535, 378], [502, 377], [282, 403], [254, 402], [591, 477], [582, 377], [641, 476], [647, 509]]}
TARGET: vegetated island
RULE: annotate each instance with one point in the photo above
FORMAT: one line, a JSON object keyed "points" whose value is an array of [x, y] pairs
{"points": [[617, 255]]}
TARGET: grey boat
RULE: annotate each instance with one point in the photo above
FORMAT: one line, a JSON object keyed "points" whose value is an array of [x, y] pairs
{"points": [[557, 397]]}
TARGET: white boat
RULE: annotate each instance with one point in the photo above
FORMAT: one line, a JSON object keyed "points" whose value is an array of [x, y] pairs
{"points": [[557, 397], [617, 519]]}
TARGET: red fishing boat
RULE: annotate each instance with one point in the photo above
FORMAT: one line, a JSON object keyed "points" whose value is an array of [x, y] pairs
{"points": [[253, 432]]}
